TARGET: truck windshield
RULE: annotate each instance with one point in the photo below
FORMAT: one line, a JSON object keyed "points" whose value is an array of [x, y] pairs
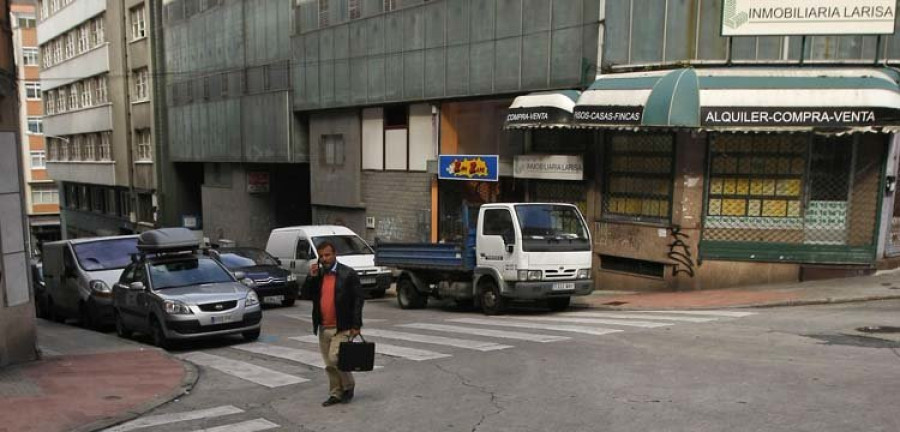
{"points": [[112, 254], [552, 228], [345, 244], [187, 272]]}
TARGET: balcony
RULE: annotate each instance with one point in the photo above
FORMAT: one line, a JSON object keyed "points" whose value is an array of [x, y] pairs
{"points": [[68, 17], [93, 62], [87, 120], [103, 173]]}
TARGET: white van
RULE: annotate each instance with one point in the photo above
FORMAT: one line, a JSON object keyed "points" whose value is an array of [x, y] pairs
{"points": [[295, 247], [79, 275]]}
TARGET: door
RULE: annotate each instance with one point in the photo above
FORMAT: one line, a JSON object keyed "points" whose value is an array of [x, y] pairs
{"points": [[142, 298], [124, 298], [304, 255], [68, 286], [497, 236]]}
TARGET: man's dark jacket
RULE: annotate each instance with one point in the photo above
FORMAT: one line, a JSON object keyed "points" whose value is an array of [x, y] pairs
{"points": [[348, 298]]}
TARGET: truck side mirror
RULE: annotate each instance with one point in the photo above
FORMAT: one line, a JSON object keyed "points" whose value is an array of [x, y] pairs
{"points": [[510, 247]]}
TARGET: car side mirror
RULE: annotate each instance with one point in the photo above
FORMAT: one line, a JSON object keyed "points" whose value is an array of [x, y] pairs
{"points": [[136, 286], [240, 275]]}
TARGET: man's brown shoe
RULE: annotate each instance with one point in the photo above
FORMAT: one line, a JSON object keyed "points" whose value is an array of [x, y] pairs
{"points": [[331, 401]]}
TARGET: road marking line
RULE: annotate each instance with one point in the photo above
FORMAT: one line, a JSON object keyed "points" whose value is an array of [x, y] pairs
{"points": [[247, 426], [635, 316], [531, 337], [731, 314], [642, 324], [596, 331], [246, 371], [307, 357], [388, 350], [308, 319], [162, 419], [437, 340]]}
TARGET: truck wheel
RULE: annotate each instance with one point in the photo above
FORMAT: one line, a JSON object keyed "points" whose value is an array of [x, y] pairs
{"points": [[408, 297], [559, 304], [491, 301]]}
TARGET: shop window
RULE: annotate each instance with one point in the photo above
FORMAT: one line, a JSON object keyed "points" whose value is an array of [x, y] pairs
{"points": [[639, 178]]}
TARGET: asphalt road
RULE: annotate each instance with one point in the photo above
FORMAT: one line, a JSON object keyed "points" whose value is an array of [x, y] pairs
{"points": [[781, 369]]}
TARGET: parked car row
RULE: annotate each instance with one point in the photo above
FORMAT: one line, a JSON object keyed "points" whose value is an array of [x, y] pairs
{"points": [[164, 285]]}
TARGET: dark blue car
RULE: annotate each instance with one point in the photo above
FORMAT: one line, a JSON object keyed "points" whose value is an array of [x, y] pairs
{"points": [[271, 282]]}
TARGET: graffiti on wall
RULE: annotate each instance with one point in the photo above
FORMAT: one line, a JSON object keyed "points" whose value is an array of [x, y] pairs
{"points": [[680, 253], [388, 229]]}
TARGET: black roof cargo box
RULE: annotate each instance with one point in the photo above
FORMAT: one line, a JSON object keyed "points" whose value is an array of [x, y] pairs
{"points": [[167, 240]]}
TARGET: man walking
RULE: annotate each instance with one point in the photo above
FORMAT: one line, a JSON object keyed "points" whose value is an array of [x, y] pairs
{"points": [[337, 299]]}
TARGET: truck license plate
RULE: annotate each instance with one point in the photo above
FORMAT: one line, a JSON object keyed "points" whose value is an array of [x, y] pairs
{"points": [[563, 286], [273, 299], [367, 280], [221, 319]]}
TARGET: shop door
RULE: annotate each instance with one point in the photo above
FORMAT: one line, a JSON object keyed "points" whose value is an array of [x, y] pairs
{"points": [[830, 176]]}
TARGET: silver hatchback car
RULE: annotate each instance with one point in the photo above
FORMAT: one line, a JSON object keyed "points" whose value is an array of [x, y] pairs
{"points": [[172, 292]]}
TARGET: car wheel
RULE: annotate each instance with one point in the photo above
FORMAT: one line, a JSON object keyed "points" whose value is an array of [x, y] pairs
{"points": [[159, 336], [289, 301], [559, 304], [251, 335], [408, 297], [492, 303], [121, 330]]}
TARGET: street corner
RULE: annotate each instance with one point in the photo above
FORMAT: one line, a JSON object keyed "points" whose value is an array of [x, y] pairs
{"points": [[87, 392]]}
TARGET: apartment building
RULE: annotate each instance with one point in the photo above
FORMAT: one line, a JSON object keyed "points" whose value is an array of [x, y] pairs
{"points": [[96, 77], [41, 193]]}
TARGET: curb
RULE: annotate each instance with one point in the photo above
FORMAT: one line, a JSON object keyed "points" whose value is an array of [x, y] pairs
{"points": [[786, 303], [191, 375]]}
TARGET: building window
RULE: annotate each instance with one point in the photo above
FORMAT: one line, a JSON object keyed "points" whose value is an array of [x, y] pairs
{"points": [[390, 5], [84, 38], [100, 90], [323, 13], [87, 93], [57, 51], [30, 56], [97, 31], [35, 125], [104, 151], [70, 45], [50, 103], [141, 80], [124, 204], [355, 10], [61, 101], [145, 208], [73, 96], [332, 148], [44, 195], [27, 22], [33, 90], [639, 177], [38, 159], [63, 149], [138, 26], [53, 147], [77, 148], [143, 147], [90, 148]]}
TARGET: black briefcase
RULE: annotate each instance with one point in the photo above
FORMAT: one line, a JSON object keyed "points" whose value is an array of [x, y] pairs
{"points": [[356, 356]]}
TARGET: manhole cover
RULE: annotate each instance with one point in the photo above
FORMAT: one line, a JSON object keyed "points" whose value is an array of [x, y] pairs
{"points": [[879, 329]]}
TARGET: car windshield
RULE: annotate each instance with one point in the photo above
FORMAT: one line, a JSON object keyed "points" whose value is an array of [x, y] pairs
{"points": [[111, 254], [345, 244], [549, 227], [240, 258], [186, 272]]}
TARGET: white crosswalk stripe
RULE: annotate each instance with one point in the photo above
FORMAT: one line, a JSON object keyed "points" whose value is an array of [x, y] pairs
{"points": [[596, 331], [718, 313], [635, 316], [388, 350], [165, 419], [642, 324], [307, 318], [437, 340], [531, 337], [307, 357], [246, 371], [247, 426]]}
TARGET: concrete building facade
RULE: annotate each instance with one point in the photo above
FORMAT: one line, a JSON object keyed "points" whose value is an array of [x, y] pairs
{"points": [[41, 193], [97, 77], [17, 320]]}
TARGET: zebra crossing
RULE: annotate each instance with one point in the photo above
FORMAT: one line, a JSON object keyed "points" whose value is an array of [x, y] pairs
{"points": [[429, 341], [206, 415]]}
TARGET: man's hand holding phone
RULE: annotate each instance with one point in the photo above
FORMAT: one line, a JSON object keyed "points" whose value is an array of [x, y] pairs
{"points": [[314, 269]]}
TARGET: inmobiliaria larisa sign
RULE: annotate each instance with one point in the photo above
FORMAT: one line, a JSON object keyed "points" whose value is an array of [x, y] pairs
{"points": [[807, 17], [798, 116]]}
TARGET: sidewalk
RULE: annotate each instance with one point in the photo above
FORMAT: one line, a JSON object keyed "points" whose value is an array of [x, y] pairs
{"points": [[881, 286], [86, 381]]}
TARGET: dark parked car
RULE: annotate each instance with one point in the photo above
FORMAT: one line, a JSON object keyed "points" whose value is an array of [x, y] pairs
{"points": [[39, 290], [270, 281]]}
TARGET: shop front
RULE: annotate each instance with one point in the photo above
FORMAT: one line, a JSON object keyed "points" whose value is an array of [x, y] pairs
{"points": [[710, 178]]}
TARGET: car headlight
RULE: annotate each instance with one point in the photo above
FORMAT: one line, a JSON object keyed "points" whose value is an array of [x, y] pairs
{"points": [[531, 275], [100, 287], [176, 308], [584, 274], [252, 299], [248, 282], [291, 277]]}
